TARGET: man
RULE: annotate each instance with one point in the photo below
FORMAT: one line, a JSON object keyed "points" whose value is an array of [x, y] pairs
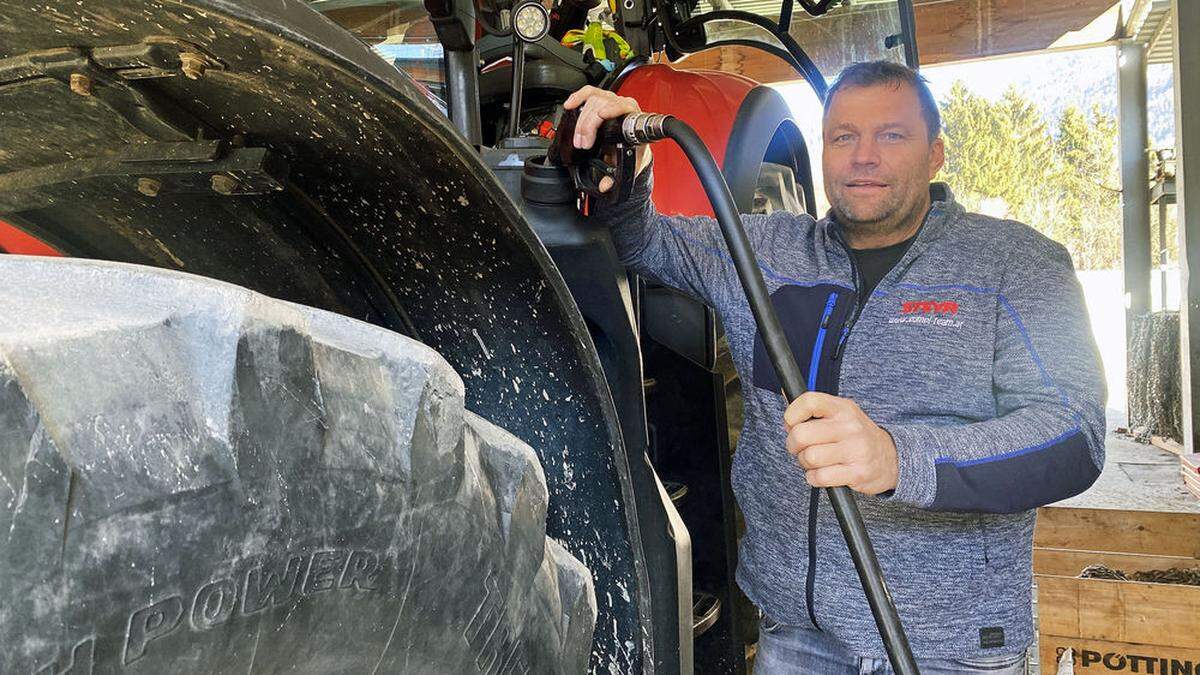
{"points": [[955, 385]]}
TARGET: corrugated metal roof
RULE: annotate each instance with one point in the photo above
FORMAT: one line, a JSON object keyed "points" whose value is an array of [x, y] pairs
{"points": [[1150, 24]]}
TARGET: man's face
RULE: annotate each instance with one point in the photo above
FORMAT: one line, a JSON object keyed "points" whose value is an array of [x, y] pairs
{"points": [[878, 160]]}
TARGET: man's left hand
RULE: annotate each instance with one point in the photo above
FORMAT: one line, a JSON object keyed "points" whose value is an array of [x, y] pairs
{"points": [[837, 444]]}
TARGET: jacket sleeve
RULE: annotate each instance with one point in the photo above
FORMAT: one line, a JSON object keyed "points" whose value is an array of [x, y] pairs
{"points": [[1047, 441], [685, 252]]}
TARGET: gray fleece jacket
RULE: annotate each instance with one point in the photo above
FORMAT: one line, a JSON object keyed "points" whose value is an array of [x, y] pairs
{"points": [[974, 352]]}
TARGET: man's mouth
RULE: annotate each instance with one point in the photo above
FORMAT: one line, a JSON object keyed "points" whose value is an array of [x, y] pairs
{"points": [[865, 184]]}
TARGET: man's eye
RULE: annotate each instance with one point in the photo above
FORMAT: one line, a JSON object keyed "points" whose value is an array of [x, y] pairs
{"points": [[843, 138], [893, 136]]}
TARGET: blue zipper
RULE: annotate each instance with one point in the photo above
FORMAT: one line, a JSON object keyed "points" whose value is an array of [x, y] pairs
{"points": [[841, 343], [814, 364]]}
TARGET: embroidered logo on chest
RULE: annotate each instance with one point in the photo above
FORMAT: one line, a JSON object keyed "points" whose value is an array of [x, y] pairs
{"points": [[929, 307], [929, 312]]}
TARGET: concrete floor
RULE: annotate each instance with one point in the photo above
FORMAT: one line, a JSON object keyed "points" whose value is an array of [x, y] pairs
{"points": [[1137, 477]]}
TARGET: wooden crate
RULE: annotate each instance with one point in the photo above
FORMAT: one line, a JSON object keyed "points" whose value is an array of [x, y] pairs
{"points": [[1190, 463], [1189, 468], [1192, 483], [1116, 626]]}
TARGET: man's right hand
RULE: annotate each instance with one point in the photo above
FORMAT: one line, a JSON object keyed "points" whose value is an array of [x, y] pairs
{"points": [[599, 106]]}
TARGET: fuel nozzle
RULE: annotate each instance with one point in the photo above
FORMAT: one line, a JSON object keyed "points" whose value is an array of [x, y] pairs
{"points": [[613, 155], [643, 128]]}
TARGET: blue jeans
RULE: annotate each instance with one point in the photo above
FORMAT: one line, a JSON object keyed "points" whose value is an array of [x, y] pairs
{"points": [[791, 650]]}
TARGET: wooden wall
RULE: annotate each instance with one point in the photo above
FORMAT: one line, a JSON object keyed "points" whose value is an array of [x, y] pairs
{"points": [[947, 30]]}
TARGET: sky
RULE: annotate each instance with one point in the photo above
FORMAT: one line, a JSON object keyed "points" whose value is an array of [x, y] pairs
{"points": [[1072, 70]]}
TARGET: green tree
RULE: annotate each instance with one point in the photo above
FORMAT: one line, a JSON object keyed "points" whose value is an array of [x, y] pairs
{"points": [[1090, 183], [1003, 159], [974, 149], [998, 153]]}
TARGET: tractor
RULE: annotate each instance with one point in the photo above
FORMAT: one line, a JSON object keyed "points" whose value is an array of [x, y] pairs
{"points": [[311, 362]]}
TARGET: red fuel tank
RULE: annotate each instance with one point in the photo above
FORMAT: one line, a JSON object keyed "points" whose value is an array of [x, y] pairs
{"points": [[709, 102]]}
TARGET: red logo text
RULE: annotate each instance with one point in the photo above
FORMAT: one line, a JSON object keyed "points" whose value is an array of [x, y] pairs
{"points": [[929, 307]]}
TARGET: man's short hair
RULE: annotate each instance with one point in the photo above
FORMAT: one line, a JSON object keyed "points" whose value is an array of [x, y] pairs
{"points": [[870, 73]]}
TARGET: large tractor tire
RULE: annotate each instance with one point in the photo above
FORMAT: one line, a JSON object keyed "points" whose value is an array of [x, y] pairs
{"points": [[299, 164], [195, 478]]}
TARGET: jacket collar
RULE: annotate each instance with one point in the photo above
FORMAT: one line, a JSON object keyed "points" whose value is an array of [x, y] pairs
{"points": [[943, 211]]}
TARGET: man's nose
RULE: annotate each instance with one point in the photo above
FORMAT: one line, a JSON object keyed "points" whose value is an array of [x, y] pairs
{"points": [[866, 152]]}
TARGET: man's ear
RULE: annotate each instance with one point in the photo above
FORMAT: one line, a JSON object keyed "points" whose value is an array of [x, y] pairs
{"points": [[937, 156]]}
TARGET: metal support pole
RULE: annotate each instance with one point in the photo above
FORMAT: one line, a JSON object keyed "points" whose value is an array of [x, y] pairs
{"points": [[1135, 181], [518, 87], [454, 21], [908, 26], [1187, 190], [462, 83], [1162, 253]]}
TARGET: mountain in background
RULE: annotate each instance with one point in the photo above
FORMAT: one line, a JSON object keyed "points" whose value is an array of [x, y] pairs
{"points": [[1161, 104], [1058, 80]]}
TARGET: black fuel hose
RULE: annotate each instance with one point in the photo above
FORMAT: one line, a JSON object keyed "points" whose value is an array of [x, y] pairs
{"points": [[644, 128]]}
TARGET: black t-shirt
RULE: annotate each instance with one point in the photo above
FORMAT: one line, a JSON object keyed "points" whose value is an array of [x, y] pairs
{"points": [[874, 264]]}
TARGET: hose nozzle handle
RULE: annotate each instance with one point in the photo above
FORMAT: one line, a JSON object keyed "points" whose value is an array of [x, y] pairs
{"points": [[612, 156]]}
